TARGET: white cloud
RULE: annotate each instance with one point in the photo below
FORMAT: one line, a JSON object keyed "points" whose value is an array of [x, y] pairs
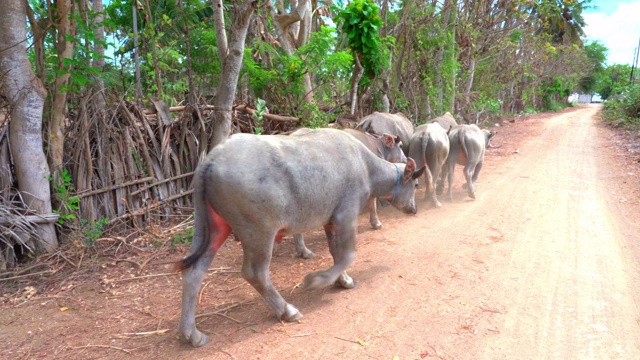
{"points": [[619, 32]]}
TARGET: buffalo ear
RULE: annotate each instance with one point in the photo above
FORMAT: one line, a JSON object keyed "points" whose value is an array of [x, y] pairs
{"points": [[389, 141], [409, 169]]}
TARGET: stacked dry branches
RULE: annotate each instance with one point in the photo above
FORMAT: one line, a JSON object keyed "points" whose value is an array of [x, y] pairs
{"points": [[124, 165]]}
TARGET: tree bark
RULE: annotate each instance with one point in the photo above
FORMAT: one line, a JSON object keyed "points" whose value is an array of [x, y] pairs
{"points": [[293, 30], [39, 29], [231, 64], [98, 46], [151, 41], [26, 95], [191, 100], [65, 26], [136, 52], [358, 70]]}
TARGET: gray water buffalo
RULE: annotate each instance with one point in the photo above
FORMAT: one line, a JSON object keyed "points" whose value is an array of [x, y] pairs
{"points": [[429, 146], [264, 187], [385, 123], [386, 147], [447, 121], [467, 144]]}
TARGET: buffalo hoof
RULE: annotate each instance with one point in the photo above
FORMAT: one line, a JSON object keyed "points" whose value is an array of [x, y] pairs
{"points": [[291, 314], [377, 226], [306, 254], [317, 279], [195, 337], [438, 204], [472, 194], [345, 281]]}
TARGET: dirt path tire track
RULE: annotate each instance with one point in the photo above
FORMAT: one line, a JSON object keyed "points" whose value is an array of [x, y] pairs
{"points": [[569, 287]]}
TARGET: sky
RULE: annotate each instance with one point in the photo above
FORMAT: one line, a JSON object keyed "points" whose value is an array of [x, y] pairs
{"points": [[616, 24]]}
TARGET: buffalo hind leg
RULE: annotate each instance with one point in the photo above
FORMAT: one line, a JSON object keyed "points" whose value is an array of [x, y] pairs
{"points": [[451, 169], [468, 174], [191, 282], [255, 269]]}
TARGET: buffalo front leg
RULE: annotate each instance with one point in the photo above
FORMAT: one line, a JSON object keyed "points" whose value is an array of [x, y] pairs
{"points": [[191, 282], [255, 269], [373, 214], [301, 249], [341, 239]]}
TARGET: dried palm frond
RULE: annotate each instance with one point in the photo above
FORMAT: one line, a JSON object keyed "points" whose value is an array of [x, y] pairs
{"points": [[15, 230]]}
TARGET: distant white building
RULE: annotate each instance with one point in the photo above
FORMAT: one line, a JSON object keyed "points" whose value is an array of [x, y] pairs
{"points": [[580, 98]]}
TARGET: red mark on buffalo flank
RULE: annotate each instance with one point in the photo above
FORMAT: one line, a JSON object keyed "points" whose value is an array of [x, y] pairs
{"points": [[219, 229], [279, 236]]}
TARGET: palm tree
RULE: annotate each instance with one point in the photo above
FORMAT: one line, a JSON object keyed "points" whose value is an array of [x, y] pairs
{"points": [[560, 19]]}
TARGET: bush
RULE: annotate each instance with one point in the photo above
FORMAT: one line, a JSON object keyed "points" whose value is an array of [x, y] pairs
{"points": [[624, 109]]}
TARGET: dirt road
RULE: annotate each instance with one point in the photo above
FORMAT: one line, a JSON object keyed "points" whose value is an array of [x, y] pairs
{"points": [[543, 265]]}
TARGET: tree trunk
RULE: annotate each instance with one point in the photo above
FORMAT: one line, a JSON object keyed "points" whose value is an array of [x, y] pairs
{"points": [[450, 59], [150, 24], [136, 53], [293, 30], [98, 47], [26, 95], [191, 99], [65, 27], [358, 70], [231, 64], [38, 29]]}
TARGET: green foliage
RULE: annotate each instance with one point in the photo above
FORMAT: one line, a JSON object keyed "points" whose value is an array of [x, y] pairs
{"points": [[272, 74], [614, 80], [484, 103], [261, 109], [624, 109], [164, 35], [313, 117], [93, 231], [139, 162], [321, 50], [183, 237], [63, 190], [596, 54], [516, 35], [558, 88], [360, 22]]}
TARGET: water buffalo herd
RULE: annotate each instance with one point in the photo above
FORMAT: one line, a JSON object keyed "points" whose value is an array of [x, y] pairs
{"points": [[265, 187]]}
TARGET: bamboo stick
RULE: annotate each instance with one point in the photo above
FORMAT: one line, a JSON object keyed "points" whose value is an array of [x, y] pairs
{"points": [[149, 208], [114, 187], [245, 108], [145, 188], [36, 219]]}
